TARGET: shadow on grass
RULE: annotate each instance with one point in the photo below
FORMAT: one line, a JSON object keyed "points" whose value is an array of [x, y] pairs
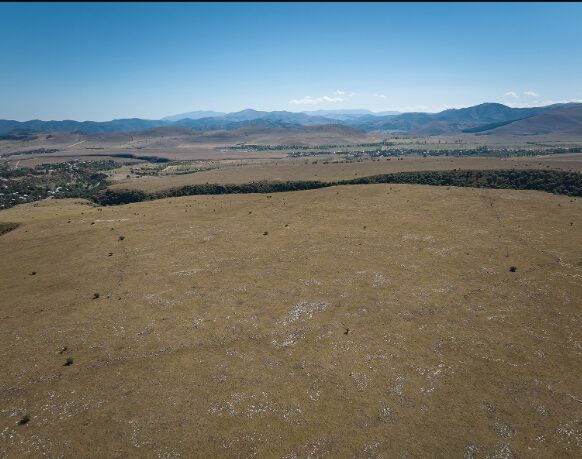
{"points": [[7, 227]]}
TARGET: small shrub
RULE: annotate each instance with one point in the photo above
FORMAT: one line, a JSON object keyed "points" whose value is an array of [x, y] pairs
{"points": [[23, 420], [95, 295], [513, 269], [68, 362]]}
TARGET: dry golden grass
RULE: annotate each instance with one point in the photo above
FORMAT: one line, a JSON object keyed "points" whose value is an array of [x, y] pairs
{"points": [[297, 169], [356, 321]]}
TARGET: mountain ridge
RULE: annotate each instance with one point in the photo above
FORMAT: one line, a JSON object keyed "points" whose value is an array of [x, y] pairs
{"points": [[486, 117]]}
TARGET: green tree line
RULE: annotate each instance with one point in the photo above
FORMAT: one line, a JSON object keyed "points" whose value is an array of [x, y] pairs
{"points": [[557, 182]]}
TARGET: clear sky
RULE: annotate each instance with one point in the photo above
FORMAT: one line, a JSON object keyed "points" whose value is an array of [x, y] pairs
{"points": [[114, 60]]}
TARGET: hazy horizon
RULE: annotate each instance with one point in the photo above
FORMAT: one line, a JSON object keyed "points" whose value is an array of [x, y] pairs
{"points": [[101, 62], [339, 111]]}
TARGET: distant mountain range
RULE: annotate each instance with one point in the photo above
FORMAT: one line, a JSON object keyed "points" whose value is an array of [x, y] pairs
{"points": [[487, 118], [194, 115]]}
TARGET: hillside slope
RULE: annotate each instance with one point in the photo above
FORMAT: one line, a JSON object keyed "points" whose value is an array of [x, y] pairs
{"points": [[567, 120], [340, 322]]}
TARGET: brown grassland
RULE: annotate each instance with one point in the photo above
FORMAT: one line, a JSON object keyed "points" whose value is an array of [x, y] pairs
{"points": [[353, 321]]}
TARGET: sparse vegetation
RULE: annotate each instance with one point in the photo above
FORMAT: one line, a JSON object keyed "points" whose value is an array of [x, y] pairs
{"points": [[227, 313]]}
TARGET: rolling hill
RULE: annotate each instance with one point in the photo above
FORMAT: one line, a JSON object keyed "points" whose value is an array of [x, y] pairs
{"points": [[566, 120], [288, 135], [121, 125], [293, 325], [452, 120]]}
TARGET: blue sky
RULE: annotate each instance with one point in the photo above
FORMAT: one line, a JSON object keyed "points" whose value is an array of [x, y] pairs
{"points": [[115, 60]]}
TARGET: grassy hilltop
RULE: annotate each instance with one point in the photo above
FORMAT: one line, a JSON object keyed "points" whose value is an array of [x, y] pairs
{"points": [[370, 320]]}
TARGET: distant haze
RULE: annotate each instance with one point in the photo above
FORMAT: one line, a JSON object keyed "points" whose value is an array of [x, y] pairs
{"points": [[194, 115]]}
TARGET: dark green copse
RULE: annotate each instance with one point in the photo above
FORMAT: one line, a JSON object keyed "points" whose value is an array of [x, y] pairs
{"points": [[116, 197], [557, 182]]}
